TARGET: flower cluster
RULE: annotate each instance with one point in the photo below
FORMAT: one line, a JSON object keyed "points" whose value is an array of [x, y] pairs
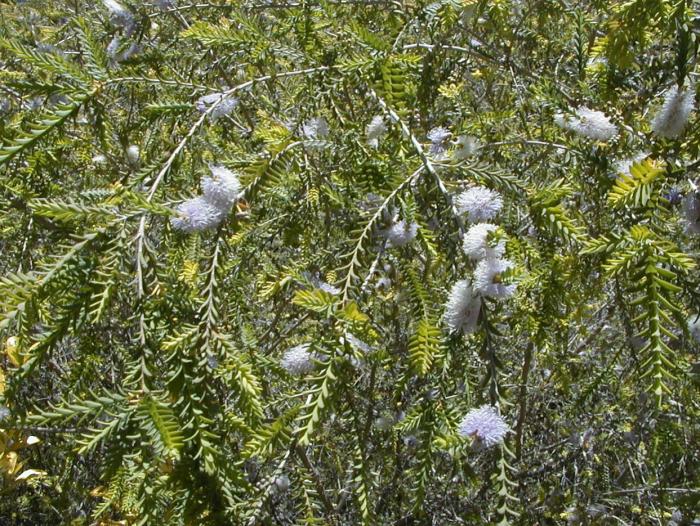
{"points": [[375, 130], [119, 15], [318, 283], [439, 140], [484, 244], [128, 53], [224, 104], [478, 243], [356, 343], [479, 204], [672, 118], [590, 123], [463, 147], [315, 129], [298, 360], [220, 191], [401, 233], [488, 278], [462, 308], [485, 425], [466, 146], [221, 188], [196, 215]]}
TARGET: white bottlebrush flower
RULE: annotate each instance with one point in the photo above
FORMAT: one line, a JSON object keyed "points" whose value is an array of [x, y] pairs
{"points": [[623, 166], [401, 233], [203, 102], [129, 52], [319, 283], [479, 203], [114, 7], [466, 146], [488, 278], [671, 119], [694, 327], [462, 308], [196, 215], [99, 158], [484, 424], [590, 123], [119, 14], [221, 188], [133, 154], [113, 47], [224, 104], [375, 130], [438, 138], [691, 211], [298, 360], [330, 289], [225, 107], [316, 128], [356, 343], [477, 244]]}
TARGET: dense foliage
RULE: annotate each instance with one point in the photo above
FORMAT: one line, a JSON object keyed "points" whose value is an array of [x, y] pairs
{"points": [[349, 262]]}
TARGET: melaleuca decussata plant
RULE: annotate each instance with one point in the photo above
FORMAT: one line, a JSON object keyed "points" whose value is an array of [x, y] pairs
{"points": [[349, 262]]}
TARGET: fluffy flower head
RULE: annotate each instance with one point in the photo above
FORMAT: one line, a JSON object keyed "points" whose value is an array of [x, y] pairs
{"points": [[477, 245], [196, 215], [375, 130], [224, 105], [488, 279], [485, 424], [401, 233], [114, 7], [221, 188], [479, 203], [330, 289], [113, 47], [438, 138], [319, 283], [119, 14], [298, 360], [466, 147], [671, 119], [590, 123], [356, 343], [316, 128], [462, 308]]}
